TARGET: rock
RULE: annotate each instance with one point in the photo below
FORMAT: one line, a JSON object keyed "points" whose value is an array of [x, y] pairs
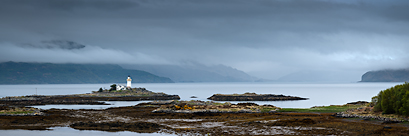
{"points": [[247, 104], [140, 127], [386, 120], [359, 103], [253, 97], [161, 102], [245, 111], [272, 111], [387, 127]]}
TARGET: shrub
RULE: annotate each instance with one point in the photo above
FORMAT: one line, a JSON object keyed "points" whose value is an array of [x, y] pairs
{"points": [[393, 100], [113, 87]]}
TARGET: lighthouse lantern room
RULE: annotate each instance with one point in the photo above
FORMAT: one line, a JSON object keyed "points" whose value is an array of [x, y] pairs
{"points": [[128, 82]]}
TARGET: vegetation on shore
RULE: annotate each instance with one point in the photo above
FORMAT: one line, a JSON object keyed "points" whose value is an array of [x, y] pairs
{"points": [[323, 109], [7, 110], [394, 100]]}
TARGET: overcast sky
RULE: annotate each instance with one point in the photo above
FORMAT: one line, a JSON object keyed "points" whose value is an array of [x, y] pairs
{"points": [[265, 38]]}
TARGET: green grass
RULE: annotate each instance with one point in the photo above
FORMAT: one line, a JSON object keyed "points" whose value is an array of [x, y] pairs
{"points": [[217, 103], [325, 109], [266, 109]]}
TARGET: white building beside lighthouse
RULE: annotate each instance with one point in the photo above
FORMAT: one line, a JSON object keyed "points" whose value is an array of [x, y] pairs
{"points": [[129, 82]]}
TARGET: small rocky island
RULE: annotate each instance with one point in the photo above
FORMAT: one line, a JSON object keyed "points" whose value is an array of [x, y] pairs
{"points": [[94, 98], [253, 97]]}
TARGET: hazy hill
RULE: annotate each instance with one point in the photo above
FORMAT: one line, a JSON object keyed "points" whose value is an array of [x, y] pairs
{"points": [[320, 76], [194, 72], [401, 75], [47, 73]]}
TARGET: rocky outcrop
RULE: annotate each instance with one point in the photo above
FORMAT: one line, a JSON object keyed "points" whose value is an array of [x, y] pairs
{"points": [[74, 99], [140, 127], [253, 97], [208, 111], [200, 107], [6, 110], [384, 119], [358, 103]]}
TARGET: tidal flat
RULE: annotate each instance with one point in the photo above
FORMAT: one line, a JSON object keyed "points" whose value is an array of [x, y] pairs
{"points": [[141, 119]]}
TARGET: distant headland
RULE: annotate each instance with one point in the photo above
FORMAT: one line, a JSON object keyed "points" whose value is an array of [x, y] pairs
{"points": [[399, 75]]}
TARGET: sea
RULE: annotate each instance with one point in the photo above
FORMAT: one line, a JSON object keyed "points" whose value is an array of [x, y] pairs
{"points": [[319, 94]]}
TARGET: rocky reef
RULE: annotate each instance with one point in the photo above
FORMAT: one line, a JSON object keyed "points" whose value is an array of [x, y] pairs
{"points": [[140, 127], [253, 97], [212, 107]]}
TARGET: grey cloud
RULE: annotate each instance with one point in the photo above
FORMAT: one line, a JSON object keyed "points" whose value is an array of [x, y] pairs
{"points": [[267, 38], [70, 4], [63, 54], [60, 44]]}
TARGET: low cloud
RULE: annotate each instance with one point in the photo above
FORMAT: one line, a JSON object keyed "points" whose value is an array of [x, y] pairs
{"points": [[88, 54], [266, 38]]}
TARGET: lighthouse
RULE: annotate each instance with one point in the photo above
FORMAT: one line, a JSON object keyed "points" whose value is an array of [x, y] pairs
{"points": [[128, 82]]}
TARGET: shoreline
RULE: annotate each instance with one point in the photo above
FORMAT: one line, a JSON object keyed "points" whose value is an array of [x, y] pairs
{"points": [[141, 119]]}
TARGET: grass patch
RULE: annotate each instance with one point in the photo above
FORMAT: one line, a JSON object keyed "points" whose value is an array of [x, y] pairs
{"points": [[217, 103], [266, 109], [325, 109]]}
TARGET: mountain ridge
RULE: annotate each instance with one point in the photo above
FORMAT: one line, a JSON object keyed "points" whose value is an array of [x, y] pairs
{"points": [[49, 73]]}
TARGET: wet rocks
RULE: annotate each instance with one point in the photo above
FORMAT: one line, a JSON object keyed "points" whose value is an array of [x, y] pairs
{"points": [[294, 122], [77, 99], [43, 100], [359, 103], [161, 102], [253, 97], [212, 107], [140, 127], [384, 119]]}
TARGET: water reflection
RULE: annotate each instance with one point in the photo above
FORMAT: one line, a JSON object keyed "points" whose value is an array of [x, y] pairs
{"points": [[66, 131], [113, 104]]}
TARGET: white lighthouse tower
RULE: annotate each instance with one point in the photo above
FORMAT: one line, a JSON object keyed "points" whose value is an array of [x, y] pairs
{"points": [[128, 82]]}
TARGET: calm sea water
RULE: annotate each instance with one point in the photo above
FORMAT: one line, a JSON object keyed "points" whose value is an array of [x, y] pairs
{"points": [[319, 94]]}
